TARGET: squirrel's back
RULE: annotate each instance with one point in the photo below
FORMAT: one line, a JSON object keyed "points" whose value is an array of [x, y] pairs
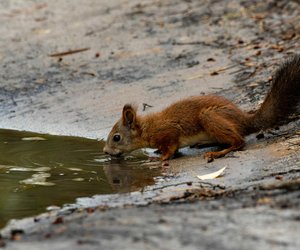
{"points": [[185, 113]]}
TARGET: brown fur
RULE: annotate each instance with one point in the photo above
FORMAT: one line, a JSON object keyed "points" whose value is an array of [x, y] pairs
{"points": [[206, 119]]}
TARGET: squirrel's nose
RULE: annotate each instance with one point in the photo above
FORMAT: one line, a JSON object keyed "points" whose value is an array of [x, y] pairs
{"points": [[105, 150]]}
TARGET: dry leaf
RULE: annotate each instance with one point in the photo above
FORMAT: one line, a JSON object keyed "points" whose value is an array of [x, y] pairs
{"points": [[210, 59], [253, 85], [211, 175], [277, 47], [258, 53], [214, 73], [264, 201], [40, 81], [41, 31], [88, 73]]}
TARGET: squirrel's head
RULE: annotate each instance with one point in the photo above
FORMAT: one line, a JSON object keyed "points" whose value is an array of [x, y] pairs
{"points": [[125, 134]]}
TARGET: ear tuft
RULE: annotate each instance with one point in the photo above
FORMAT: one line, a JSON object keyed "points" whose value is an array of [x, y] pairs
{"points": [[129, 115]]}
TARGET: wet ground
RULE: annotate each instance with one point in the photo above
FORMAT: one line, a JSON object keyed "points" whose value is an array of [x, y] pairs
{"points": [[155, 52]]}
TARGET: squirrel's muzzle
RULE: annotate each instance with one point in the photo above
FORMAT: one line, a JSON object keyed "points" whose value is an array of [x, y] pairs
{"points": [[112, 151]]}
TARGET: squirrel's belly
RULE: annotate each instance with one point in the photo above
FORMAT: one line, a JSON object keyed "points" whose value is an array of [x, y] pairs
{"points": [[200, 138]]}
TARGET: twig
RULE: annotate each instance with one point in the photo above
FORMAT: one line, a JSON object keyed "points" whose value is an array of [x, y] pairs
{"points": [[191, 43], [70, 52], [188, 183], [88, 73], [215, 72], [289, 185], [145, 105], [211, 185]]}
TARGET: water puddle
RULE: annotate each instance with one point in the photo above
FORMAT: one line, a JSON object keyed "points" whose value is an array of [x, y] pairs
{"points": [[38, 171]]}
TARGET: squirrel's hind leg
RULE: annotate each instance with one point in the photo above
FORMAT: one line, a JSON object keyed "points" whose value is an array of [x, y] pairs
{"points": [[210, 156], [224, 130]]}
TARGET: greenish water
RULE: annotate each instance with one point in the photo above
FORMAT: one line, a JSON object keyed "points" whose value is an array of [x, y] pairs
{"points": [[38, 171]]}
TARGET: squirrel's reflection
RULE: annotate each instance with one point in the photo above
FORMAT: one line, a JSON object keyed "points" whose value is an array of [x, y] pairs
{"points": [[125, 178]]}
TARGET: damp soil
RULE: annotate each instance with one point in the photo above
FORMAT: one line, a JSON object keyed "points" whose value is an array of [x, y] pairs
{"points": [[39, 171]]}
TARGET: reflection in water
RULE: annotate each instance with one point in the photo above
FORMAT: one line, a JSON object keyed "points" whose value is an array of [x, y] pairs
{"points": [[37, 171], [129, 177]]}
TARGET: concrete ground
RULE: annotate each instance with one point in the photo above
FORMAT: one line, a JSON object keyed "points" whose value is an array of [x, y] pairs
{"points": [[155, 52]]}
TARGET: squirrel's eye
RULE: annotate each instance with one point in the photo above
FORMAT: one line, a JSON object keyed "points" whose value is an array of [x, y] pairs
{"points": [[116, 138]]}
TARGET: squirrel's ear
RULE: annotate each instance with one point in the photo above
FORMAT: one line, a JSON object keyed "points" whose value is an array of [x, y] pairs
{"points": [[129, 116]]}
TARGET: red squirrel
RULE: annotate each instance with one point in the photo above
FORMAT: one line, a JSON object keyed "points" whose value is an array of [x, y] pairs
{"points": [[206, 119]]}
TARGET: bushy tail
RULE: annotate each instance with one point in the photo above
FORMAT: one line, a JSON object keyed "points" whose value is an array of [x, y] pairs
{"points": [[283, 98]]}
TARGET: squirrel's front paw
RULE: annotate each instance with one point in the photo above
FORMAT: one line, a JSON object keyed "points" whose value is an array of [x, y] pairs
{"points": [[210, 156]]}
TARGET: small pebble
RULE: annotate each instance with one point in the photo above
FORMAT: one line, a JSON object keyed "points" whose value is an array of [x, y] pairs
{"points": [[59, 220], [16, 234], [165, 164]]}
